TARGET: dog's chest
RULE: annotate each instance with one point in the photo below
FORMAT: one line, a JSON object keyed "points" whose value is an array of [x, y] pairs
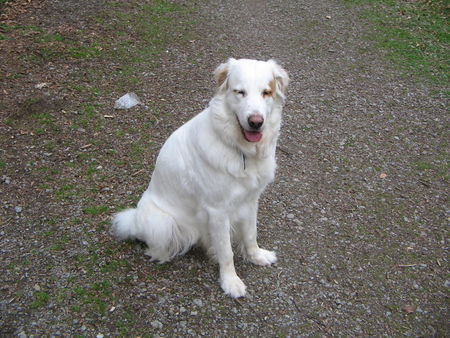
{"points": [[257, 173]]}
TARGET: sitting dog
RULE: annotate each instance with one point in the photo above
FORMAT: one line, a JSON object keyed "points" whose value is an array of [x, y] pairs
{"points": [[211, 172]]}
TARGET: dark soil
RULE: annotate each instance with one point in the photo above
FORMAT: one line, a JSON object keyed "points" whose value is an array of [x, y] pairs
{"points": [[358, 213]]}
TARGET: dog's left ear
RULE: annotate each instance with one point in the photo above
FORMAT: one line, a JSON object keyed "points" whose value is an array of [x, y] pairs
{"points": [[281, 78], [221, 73]]}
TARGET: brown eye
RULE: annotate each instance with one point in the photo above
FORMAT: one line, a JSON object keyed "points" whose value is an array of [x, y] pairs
{"points": [[267, 93]]}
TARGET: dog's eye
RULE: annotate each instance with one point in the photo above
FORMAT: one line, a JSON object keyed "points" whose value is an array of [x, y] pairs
{"points": [[239, 92], [267, 93]]}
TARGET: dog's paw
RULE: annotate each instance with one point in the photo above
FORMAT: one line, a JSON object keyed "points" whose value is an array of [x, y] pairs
{"points": [[262, 257], [233, 286], [160, 256]]}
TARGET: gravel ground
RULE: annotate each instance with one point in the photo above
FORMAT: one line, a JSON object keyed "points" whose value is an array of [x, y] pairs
{"points": [[358, 212]]}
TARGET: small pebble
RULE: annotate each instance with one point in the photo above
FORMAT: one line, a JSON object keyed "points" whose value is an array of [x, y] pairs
{"points": [[198, 302], [18, 209], [298, 222], [290, 216], [156, 324]]}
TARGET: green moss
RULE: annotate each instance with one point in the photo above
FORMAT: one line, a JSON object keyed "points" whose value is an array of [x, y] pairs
{"points": [[415, 34]]}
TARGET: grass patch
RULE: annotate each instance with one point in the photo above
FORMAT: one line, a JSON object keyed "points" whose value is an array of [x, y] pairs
{"points": [[152, 27], [114, 265], [51, 38], [85, 52], [94, 297], [415, 34], [423, 165], [41, 299], [95, 210], [66, 192]]}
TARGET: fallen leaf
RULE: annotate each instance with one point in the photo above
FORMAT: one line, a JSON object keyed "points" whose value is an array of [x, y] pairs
{"points": [[409, 308], [41, 85], [383, 175]]}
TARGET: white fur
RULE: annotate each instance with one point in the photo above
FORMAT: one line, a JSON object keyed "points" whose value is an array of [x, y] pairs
{"points": [[208, 177]]}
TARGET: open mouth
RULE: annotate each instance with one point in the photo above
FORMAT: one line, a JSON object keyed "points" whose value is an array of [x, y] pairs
{"points": [[251, 136]]}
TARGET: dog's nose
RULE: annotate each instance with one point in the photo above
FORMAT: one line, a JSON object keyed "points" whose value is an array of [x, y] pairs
{"points": [[255, 121]]}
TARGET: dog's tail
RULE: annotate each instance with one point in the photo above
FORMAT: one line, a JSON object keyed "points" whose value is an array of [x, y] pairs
{"points": [[124, 225]]}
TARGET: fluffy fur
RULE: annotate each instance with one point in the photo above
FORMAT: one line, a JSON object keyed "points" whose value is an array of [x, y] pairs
{"points": [[211, 172]]}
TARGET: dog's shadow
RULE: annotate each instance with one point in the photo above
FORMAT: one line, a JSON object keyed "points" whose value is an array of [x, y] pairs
{"points": [[196, 254]]}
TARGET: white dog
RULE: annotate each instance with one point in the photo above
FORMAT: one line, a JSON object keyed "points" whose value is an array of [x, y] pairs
{"points": [[211, 171]]}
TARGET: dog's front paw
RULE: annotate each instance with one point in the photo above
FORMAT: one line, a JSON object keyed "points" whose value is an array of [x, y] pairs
{"points": [[262, 257], [233, 286]]}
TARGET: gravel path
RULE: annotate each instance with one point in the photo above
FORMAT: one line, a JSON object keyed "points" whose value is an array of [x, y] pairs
{"points": [[357, 214]]}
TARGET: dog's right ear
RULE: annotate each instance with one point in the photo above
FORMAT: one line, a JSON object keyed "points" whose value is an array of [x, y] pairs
{"points": [[221, 73]]}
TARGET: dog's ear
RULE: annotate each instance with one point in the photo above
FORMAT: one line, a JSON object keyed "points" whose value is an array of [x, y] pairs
{"points": [[281, 78], [221, 73]]}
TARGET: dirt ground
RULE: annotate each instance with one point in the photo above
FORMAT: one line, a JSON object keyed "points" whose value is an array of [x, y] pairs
{"points": [[358, 212]]}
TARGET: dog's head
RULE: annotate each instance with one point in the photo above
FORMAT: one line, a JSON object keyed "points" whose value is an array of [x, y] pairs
{"points": [[251, 89]]}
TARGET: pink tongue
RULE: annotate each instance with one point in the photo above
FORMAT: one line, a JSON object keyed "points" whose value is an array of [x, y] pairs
{"points": [[252, 136]]}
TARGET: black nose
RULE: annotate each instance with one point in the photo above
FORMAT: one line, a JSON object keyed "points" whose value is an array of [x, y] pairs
{"points": [[255, 121]]}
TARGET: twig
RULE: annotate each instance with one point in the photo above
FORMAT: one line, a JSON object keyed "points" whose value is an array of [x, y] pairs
{"points": [[407, 265], [238, 301], [296, 306], [425, 183], [287, 152], [137, 172]]}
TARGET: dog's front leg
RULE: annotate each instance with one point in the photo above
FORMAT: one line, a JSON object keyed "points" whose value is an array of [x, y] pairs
{"points": [[248, 233], [220, 232]]}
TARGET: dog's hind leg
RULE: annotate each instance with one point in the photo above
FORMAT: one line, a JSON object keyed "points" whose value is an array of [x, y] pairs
{"points": [[163, 236]]}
